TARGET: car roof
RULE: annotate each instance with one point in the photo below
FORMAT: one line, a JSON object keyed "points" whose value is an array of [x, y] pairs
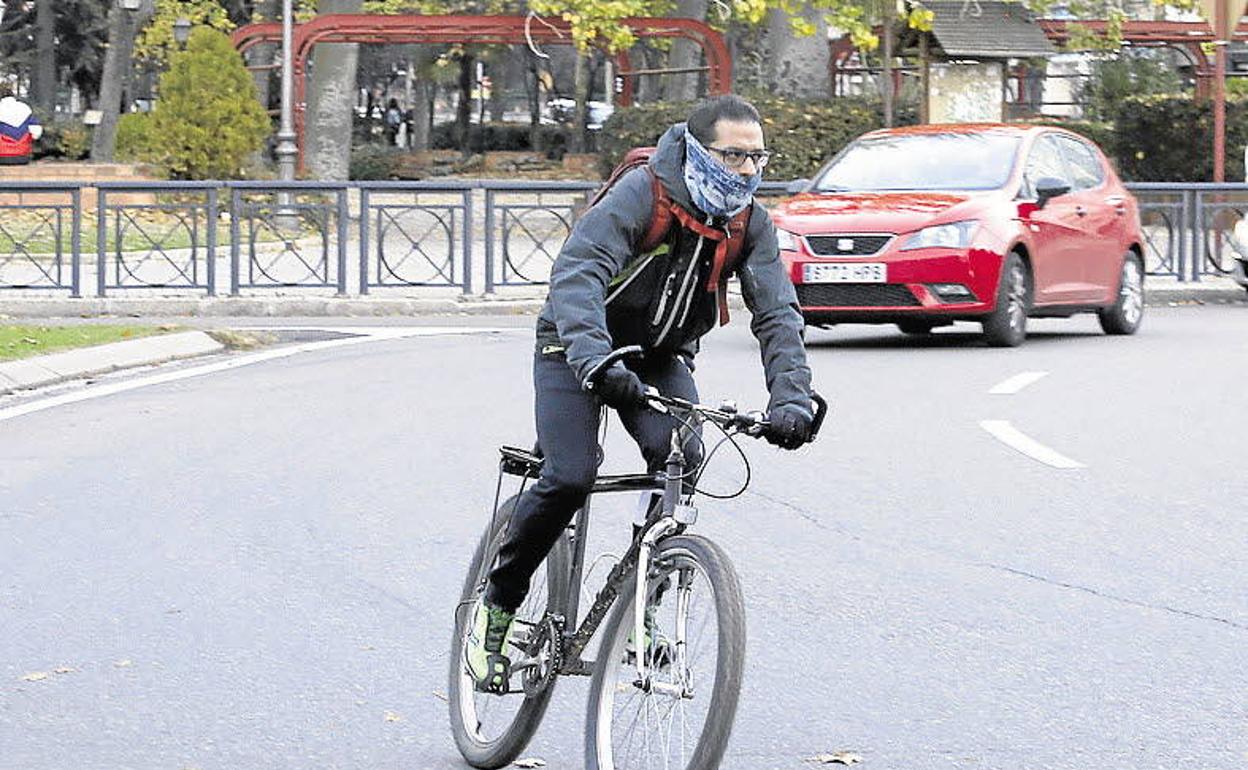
{"points": [[1016, 129]]}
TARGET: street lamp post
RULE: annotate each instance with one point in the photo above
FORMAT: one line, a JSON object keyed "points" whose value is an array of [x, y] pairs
{"points": [[286, 149]]}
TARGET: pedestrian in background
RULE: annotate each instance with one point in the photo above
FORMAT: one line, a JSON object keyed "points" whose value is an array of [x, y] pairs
{"points": [[19, 129]]}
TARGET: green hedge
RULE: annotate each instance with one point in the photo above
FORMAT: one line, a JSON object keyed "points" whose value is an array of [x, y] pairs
{"points": [[499, 137], [1169, 138], [802, 134]]}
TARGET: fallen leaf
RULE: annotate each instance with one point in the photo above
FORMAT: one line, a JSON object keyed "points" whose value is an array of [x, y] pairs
{"points": [[35, 676], [440, 695], [839, 758], [530, 762], [64, 670], [393, 717]]}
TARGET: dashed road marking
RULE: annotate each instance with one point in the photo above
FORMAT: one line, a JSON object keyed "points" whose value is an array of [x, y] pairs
{"points": [[1016, 383], [1007, 434], [363, 334]]}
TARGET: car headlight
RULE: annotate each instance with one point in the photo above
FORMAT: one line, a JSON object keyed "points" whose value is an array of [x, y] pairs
{"points": [[955, 235], [788, 241]]}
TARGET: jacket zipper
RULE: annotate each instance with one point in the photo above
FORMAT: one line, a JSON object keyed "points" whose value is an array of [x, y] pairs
{"points": [[683, 294], [667, 292], [636, 272]]}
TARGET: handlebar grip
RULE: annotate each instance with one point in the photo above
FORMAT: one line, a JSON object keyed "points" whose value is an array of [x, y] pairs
{"points": [[821, 411], [610, 359]]}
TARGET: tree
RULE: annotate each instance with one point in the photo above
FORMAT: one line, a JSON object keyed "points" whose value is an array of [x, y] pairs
{"points": [[207, 121], [122, 27], [331, 101]]}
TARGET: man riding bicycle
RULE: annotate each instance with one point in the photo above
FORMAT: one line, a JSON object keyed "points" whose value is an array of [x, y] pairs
{"points": [[610, 288]]}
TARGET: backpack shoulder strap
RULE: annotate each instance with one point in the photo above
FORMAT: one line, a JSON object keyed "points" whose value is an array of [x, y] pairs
{"points": [[660, 215]]}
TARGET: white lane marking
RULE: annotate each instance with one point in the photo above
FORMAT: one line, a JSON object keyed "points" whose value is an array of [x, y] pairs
{"points": [[1007, 434], [1016, 383], [373, 334]]}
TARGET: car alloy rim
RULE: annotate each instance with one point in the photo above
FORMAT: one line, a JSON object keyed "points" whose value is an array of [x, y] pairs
{"points": [[1132, 292], [1017, 297]]}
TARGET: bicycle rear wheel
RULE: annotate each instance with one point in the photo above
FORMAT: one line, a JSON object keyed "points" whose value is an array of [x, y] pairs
{"points": [[491, 730], [682, 719]]}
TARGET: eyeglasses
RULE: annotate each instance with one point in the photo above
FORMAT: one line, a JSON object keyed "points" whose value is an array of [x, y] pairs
{"points": [[735, 157]]}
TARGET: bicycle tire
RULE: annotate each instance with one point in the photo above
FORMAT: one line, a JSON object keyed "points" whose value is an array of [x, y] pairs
{"points": [[681, 551], [477, 749]]}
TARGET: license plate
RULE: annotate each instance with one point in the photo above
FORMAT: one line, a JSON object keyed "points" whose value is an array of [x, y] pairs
{"points": [[844, 272]]}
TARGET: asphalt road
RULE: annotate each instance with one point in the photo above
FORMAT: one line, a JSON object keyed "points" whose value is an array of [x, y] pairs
{"points": [[256, 567]]}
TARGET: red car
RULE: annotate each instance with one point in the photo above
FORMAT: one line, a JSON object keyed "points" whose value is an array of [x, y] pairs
{"points": [[927, 225]]}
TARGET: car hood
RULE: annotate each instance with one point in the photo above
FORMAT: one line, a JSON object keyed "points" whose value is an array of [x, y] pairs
{"points": [[886, 212]]}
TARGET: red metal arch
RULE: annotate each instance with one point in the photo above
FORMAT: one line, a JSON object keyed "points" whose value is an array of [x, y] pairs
{"points": [[502, 30]]}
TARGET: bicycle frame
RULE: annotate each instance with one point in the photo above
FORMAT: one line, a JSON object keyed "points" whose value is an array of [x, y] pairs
{"points": [[636, 560]]}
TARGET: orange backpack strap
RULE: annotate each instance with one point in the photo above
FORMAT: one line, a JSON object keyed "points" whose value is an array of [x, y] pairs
{"points": [[729, 243], [660, 215]]}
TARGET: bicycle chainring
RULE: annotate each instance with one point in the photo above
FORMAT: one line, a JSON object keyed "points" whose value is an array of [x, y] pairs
{"points": [[547, 642]]}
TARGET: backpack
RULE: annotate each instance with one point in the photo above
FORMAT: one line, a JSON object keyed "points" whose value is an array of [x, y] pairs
{"points": [[393, 117], [728, 241]]}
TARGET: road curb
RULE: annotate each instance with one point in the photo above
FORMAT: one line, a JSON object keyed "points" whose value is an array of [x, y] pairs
{"points": [[345, 307], [40, 371]]}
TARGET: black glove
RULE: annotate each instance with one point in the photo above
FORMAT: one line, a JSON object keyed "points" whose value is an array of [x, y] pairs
{"points": [[619, 387], [789, 426]]}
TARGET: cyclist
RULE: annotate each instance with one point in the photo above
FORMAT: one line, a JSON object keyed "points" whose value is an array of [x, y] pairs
{"points": [[603, 294]]}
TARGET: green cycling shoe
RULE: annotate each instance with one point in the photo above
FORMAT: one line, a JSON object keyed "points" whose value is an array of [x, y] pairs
{"points": [[489, 631]]}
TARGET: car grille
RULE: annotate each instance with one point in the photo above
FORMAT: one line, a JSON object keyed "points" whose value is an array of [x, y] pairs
{"points": [[855, 295], [858, 245]]}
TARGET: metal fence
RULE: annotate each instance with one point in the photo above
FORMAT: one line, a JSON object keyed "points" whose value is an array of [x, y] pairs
{"points": [[373, 237]]}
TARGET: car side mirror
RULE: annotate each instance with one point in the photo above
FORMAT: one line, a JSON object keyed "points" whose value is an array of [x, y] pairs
{"points": [[797, 186], [1049, 188]]}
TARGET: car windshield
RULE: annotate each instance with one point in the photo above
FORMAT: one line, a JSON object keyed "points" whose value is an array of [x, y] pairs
{"points": [[952, 161]]}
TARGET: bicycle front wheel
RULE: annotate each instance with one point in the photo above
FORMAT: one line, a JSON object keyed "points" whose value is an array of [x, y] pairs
{"points": [[678, 715], [491, 730]]}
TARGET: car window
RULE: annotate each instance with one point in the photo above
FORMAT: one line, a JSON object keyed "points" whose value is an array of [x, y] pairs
{"points": [[1045, 160], [1085, 166], [930, 161]]}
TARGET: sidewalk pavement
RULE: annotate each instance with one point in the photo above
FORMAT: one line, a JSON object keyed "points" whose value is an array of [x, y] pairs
{"points": [[1159, 291], [52, 368], [85, 362]]}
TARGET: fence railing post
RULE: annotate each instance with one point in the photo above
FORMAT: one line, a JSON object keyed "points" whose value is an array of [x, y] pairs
{"points": [[1199, 235], [212, 242], [365, 223], [101, 242], [75, 267], [468, 238], [236, 230], [343, 230], [489, 241]]}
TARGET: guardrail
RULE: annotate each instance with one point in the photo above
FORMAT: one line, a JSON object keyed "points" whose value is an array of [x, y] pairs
{"points": [[296, 236]]}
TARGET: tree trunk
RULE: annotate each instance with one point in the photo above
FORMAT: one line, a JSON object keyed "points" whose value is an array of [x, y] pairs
{"points": [[122, 26], [331, 102], [43, 80], [683, 86], [463, 110], [799, 66], [887, 87], [533, 85], [264, 53], [576, 135], [421, 100]]}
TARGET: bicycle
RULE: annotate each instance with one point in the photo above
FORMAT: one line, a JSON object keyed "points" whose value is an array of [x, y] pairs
{"points": [[655, 690]]}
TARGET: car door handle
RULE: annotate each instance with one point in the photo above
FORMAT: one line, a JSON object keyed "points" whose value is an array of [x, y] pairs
{"points": [[1081, 211], [1119, 204]]}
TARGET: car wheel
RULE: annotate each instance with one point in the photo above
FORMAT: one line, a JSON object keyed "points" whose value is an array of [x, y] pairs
{"points": [[1124, 316], [917, 328], [1006, 325]]}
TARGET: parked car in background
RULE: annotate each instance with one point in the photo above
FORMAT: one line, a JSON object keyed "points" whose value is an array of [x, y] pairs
{"points": [[927, 225]]}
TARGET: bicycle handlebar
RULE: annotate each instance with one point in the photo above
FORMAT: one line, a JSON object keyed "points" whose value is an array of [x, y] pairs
{"points": [[726, 415]]}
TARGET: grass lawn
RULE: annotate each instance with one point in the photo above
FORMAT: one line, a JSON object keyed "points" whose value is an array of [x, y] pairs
{"points": [[25, 341]]}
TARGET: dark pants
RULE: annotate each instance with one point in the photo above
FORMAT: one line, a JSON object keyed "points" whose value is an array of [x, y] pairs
{"points": [[567, 431]]}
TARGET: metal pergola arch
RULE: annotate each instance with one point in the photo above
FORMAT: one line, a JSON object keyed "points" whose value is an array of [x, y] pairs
{"points": [[504, 30]]}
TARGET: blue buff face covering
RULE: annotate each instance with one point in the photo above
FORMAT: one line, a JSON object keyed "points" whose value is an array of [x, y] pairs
{"points": [[715, 188]]}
